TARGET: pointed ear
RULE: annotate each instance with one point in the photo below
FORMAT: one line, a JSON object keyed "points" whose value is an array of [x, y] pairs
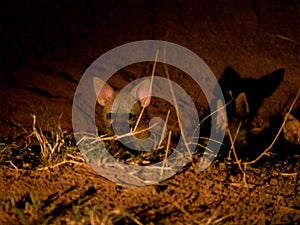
{"points": [[241, 105], [141, 92], [105, 94], [269, 83]]}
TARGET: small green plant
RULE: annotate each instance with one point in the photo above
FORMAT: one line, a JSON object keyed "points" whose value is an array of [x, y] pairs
{"points": [[30, 209], [76, 211]]}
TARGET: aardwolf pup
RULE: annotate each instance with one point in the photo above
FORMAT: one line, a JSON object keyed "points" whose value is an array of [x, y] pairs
{"points": [[244, 97]]}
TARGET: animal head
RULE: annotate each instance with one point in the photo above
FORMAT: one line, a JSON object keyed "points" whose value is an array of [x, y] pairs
{"points": [[106, 98], [255, 89], [244, 97]]}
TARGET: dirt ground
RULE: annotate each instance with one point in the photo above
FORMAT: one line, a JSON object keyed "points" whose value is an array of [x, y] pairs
{"points": [[46, 46]]}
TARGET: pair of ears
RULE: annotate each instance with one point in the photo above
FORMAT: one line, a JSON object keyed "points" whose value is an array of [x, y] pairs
{"points": [[140, 92]]}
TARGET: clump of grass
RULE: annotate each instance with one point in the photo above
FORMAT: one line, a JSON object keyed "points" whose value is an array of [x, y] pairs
{"points": [[36, 147], [30, 209]]}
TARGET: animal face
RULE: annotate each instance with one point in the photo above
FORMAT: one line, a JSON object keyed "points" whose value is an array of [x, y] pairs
{"points": [[245, 98], [106, 98]]}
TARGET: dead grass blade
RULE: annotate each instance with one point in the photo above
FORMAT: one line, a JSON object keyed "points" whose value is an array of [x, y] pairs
{"points": [[166, 154], [297, 202], [243, 170], [150, 91], [283, 38], [47, 149], [176, 105]]}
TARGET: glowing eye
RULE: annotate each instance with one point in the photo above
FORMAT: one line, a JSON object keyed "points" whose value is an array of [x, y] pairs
{"points": [[109, 116], [130, 116]]}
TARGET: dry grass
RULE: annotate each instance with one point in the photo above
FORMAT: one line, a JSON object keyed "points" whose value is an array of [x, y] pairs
{"points": [[39, 149]]}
